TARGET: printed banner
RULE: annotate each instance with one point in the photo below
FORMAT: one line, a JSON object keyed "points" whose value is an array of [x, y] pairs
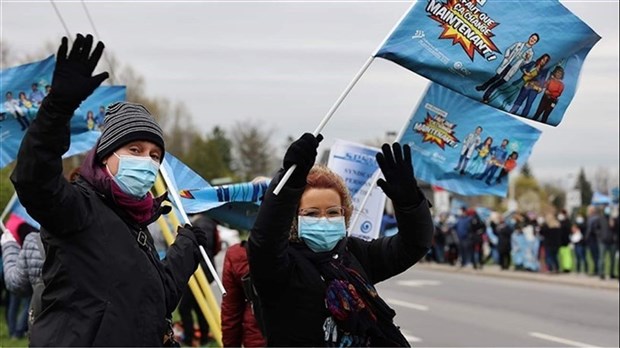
{"points": [[523, 57], [464, 146], [357, 165], [24, 88]]}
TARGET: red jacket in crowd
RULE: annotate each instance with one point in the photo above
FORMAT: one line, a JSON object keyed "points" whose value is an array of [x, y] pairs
{"points": [[239, 326]]}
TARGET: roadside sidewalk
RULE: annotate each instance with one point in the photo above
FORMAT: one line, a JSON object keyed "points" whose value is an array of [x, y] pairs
{"points": [[495, 271]]}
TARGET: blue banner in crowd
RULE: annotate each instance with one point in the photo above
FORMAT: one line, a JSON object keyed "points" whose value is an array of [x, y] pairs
{"points": [[523, 57], [464, 146], [24, 88]]}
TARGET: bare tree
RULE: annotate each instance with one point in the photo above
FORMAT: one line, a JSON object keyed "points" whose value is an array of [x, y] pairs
{"points": [[253, 150], [602, 180]]}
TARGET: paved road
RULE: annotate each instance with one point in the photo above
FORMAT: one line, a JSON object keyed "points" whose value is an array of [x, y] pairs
{"points": [[436, 308]]}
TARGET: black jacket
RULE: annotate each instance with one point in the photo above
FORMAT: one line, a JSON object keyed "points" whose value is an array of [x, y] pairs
{"points": [[290, 286], [102, 288]]}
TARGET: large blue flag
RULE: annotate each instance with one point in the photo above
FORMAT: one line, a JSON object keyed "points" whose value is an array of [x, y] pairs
{"points": [[235, 204], [25, 86], [523, 57], [464, 146]]}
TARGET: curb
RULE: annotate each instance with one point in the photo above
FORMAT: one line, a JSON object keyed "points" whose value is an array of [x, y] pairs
{"points": [[494, 271]]}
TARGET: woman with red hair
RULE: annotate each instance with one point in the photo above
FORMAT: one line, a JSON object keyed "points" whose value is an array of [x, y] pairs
{"points": [[316, 285]]}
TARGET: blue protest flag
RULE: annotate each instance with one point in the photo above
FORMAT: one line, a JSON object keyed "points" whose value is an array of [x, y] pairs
{"points": [[235, 204], [464, 146], [25, 87], [522, 57], [212, 197]]}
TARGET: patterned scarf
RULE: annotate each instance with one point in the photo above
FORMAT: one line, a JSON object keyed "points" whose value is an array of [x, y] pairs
{"points": [[361, 315]]}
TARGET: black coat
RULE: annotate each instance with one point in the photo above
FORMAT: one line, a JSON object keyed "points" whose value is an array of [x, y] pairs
{"points": [[290, 286], [504, 238], [101, 287]]}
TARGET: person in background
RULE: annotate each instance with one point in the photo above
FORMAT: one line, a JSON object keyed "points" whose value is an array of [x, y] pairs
{"points": [[606, 244], [579, 245], [478, 229], [504, 244], [239, 323], [552, 235], [439, 237], [316, 285], [22, 264], [565, 253], [104, 282], [592, 236], [463, 230], [188, 303]]}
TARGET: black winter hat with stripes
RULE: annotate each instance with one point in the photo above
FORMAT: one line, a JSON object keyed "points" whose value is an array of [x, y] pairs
{"points": [[125, 122]]}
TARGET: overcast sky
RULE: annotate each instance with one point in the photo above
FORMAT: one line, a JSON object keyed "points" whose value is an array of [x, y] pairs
{"points": [[286, 63]]}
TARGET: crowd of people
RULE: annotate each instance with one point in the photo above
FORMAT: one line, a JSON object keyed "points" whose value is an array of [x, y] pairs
{"points": [[553, 243]]}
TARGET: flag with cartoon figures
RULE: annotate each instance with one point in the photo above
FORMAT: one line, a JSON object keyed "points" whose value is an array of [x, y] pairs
{"points": [[24, 88], [464, 146], [523, 57]]}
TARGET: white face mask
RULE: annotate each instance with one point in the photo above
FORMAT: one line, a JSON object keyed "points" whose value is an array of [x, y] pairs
{"points": [[136, 174], [561, 217]]}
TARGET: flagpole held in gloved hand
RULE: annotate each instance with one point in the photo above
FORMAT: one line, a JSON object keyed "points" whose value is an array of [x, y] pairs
{"points": [[176, 199]]}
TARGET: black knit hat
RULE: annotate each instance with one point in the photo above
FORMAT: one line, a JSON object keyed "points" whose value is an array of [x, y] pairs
{"points": [[126, 122]]}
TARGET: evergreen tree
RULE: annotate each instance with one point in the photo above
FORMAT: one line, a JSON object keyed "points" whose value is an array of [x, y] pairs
{"points": [[584, 186]]}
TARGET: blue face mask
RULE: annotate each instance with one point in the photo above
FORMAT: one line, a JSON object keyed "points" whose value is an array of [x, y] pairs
{"points": [[321, 234], [136, 174]]}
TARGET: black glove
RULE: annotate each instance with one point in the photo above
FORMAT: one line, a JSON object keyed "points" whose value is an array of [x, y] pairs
{"points": [[302, 152], [201, 236], [73, 81], [399, 185]]}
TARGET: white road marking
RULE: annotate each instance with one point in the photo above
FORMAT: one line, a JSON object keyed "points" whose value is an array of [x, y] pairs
{"points": [[418, 283], [561, 340], [406, 304], [412, 339]]}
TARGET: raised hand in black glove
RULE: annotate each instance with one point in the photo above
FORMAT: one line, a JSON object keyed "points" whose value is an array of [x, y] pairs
{"points": [[400, 184], [201, 236], [73, 81], [302, 152]]}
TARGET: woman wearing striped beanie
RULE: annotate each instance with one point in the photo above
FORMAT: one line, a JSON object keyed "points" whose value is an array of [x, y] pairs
{"points": [[104, 282]]}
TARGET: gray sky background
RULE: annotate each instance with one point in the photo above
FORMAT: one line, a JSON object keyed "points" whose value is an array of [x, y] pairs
{"points": [[286, 63]]}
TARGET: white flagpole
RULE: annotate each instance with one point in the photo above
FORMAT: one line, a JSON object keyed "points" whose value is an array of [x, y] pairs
{"points": [[9, 206], [339, 101], [377, 173], [177, 202]]}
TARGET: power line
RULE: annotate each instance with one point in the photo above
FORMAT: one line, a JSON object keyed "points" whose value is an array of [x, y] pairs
{"points": [[62, 20], [105, 55]]}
